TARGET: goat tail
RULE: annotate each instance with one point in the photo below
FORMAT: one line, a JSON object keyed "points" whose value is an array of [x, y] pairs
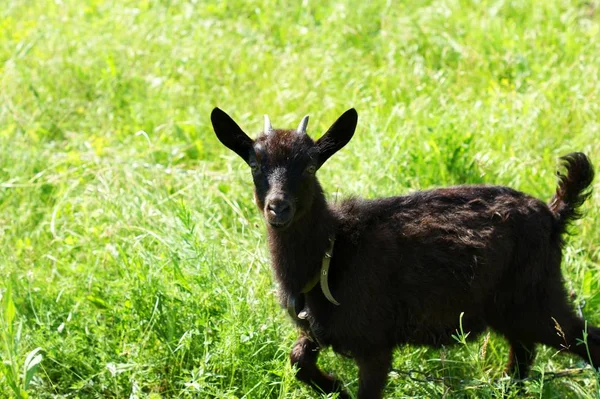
{"points": [[573, 189]]}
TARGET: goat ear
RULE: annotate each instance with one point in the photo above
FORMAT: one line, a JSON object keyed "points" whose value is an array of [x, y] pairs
{"points": [[230, 134], [338, 135]]}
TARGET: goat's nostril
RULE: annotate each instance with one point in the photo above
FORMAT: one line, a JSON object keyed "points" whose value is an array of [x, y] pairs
{"points": [[278, 207]]}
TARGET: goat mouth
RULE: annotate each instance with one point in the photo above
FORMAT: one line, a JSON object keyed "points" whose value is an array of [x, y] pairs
{"points": [[279, 221], [278, 224]]}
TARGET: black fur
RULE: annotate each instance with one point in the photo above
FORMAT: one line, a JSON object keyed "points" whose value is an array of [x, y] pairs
{"points": [[405, 268]]}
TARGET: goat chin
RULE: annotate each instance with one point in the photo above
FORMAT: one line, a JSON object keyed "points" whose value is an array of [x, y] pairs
{"points": [[414, 269]]}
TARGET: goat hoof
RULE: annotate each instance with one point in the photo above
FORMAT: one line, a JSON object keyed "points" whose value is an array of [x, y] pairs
{"points": [[343, 395], [338, 387]]}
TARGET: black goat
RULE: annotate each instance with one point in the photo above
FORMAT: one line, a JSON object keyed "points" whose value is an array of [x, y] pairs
{"points": [[404, 268]]}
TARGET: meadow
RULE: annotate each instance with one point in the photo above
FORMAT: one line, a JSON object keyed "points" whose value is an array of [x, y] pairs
{"points": [[133, 262]]}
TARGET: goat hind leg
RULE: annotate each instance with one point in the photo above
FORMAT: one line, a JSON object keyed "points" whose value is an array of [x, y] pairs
{"points": [[591, 350], [565, 332], [304, 356]]}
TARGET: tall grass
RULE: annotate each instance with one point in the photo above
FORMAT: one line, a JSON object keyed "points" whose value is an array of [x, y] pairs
{"points": [[132, 260]]}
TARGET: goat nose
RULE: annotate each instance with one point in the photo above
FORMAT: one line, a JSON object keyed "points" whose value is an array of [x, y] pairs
{"points": [[278, 207]]}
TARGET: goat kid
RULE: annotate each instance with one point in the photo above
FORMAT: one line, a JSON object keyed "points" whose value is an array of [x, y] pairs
{"points": [[404, 268]]}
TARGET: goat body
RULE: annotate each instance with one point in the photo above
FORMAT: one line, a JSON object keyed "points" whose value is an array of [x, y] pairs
{"points": [[405, 268]]}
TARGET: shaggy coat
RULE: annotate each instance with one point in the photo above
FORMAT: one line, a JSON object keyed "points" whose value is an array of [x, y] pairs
{"points": [[405, 268]]}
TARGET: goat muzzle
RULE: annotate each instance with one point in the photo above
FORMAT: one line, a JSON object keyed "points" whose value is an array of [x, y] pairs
{"points": [[279, 213]]}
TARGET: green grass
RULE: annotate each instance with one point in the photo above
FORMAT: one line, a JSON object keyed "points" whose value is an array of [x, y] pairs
{"points": [[130, 250]]}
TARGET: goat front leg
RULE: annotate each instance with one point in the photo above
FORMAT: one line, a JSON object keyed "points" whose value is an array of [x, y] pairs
{"points": [[372, 374], [520, 359], [304, 356]]}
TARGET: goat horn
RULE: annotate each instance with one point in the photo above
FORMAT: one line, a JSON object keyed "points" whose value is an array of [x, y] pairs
{"points": [[302, 126], [268, 127]]}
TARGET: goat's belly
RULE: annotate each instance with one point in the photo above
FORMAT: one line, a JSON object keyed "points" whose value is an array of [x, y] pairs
{"points": [[434, 319], [436, 335], [354, 343], [349, 331], [352, 339]]}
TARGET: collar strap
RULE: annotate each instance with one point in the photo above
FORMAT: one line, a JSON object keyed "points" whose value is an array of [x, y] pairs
{"points": [[295, 303], [325, 272], [323, 275]]}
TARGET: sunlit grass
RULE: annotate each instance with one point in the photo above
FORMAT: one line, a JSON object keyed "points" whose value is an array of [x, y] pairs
{"points": [[129, 243]]}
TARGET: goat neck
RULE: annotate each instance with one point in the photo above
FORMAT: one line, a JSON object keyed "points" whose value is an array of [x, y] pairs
{"points": [[297, 252]]}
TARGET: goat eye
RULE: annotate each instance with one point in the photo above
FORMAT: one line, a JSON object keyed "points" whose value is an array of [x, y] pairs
{"points": [[311, 169], [254, 167]]}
